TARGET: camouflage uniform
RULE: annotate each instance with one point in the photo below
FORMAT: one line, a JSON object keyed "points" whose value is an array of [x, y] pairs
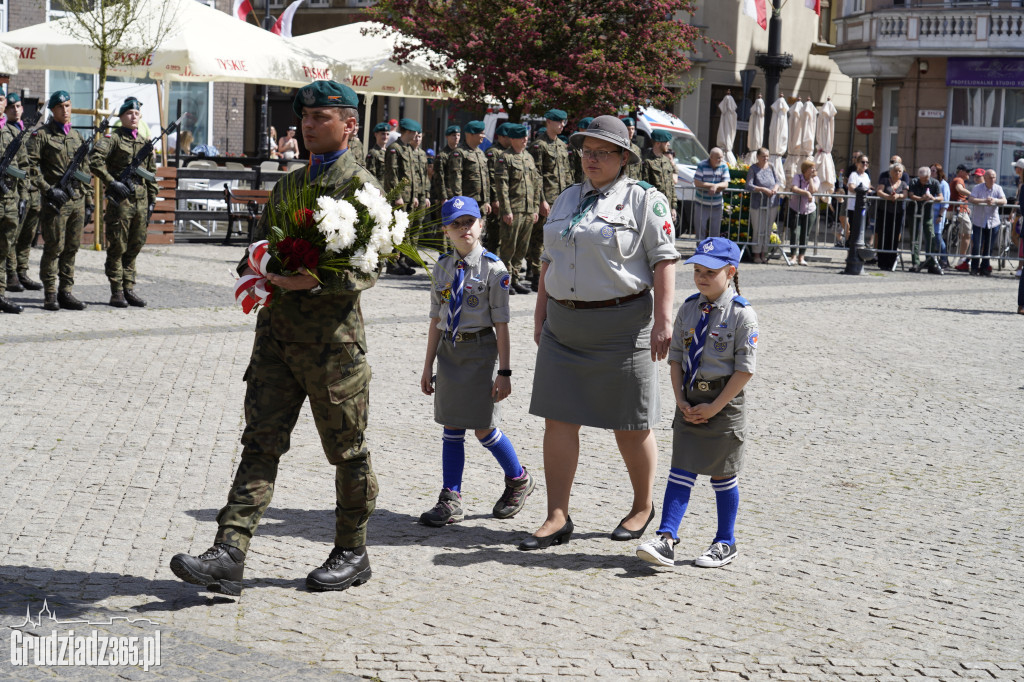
{"points": [[17, 256], [62, 230], [126, 222], [468, 175], [552, 159], [658, 171], [518, 190], [576, 166], [306, 345], [375, 163], [401, 165], [439, 189], [636, 170], [10, 225], [492, 228], [355, 147]]}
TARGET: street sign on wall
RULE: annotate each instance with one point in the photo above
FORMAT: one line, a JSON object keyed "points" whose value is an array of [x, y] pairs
{"points": [[865, 122]]}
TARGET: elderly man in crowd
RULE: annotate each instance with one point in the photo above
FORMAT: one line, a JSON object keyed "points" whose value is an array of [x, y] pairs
{"points": [[710, 179], [986, 198]]}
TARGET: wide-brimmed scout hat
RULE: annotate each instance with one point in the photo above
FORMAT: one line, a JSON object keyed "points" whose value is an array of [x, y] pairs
{"points": [[609, 129]]}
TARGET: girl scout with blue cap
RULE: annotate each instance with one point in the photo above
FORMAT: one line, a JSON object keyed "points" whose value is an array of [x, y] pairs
{"points": [[712, 355], [469, 315]]}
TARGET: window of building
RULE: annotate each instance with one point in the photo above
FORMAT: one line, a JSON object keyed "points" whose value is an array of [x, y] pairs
{"points": [[853, 7], [986, 129], [3, 16], [826, 29]]}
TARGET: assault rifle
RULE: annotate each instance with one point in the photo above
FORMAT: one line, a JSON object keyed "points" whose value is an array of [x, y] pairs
{"points": [[60, 192], [124, 185], [8, 156]]}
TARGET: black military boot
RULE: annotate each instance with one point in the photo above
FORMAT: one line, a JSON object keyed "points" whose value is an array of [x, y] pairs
{"points": [[117, 300], [218, 569], [67, 300], [50, 302], [346, 566], [14, 284], [7, 306], [134, 299], [28, 282]]}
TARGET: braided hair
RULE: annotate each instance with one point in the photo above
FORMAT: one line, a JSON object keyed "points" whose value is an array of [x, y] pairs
{"points": [[736, 281]]}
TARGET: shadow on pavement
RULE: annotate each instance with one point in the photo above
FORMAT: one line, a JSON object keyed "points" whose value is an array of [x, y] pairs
{"points": [[962, 311]]}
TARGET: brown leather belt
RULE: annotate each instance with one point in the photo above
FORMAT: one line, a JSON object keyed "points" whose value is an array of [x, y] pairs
{"points": [[583, 305], [469, 336], [711, 384]]}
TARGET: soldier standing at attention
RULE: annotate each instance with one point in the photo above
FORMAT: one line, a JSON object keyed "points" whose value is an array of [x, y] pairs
{"points": [[576, 163], [375, 157], [518, 201], [633, 170], [355, 146], [62, 228], [15, 194], [127, 216], [19, 246], [492, 229], [658, 169], [439, 190], [467, 170], [402, 164], [552, 158], [308, 343]]}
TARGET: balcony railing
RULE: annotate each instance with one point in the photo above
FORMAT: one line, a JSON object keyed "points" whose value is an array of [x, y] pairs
{"points": [[943, 27]]}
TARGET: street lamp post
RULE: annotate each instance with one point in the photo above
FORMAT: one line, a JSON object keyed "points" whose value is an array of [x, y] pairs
{"points": [[264, 94], [774, 62]]}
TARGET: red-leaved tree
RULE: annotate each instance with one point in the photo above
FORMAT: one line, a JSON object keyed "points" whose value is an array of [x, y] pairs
{"points": [[586, 56]]}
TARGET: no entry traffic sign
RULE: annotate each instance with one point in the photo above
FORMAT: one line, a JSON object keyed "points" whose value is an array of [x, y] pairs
{"points": [[865, 122]]}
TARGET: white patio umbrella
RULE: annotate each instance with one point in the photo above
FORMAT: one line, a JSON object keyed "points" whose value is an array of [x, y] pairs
{"points": [[778, 135], [8, 59], [792, 161], [755, 130], [727, 127], [825, 138], [802, 146]]}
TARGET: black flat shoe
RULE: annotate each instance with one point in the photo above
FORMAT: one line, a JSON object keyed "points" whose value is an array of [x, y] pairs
{"points": [[621, 534], [559, 537]]}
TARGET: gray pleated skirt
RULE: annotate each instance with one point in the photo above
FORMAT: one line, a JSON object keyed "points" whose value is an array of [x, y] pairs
{"points": [[715, 448], [594, 367], [465, 377]]}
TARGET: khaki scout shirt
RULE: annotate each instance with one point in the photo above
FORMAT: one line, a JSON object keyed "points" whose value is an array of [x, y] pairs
{"points": [[552, 158], [612, 251], [518, 183], [468, 174], [114, 152], [400, 164], [54, 151], [658, 171], [731, 343], [484, 292]]}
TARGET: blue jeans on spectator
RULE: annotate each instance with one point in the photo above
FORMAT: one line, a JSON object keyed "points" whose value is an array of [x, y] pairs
{"points": [[940, 242], [981, 245]]}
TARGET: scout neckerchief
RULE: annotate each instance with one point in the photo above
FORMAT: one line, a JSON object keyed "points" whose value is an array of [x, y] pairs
{"points": [[455, 302], [318, 163], [696, 352], [584, 205]]}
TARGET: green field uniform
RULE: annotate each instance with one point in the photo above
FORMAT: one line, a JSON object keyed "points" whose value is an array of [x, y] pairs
{"points": [[492, 227], [635, 170], [439, 190], [552, 159], [658, 171], [306, 345], [518, 190], [375, 163], [62, 230], [468, 175], [125, 222], [10, 224], [400, 165], [358, 151], [17, 255]]}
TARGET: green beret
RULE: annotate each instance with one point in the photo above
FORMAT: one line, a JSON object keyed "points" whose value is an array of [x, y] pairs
{"points": [[129, 104], [628, 120], [515, 131], [555, 115], [503, 129], [451, 130], [324, 94], [584, 123], [474, 128], [13, 98], [661, 136], [382, 127], [58, 97], [410, 125]]}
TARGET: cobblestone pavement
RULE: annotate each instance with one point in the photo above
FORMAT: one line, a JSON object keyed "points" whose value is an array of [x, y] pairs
{"points": [[879, 528]]}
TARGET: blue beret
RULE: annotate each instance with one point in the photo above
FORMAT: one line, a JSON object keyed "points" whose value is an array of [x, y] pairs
{"points": [[584, 123], [13, 98], [451, 130], [129, 104], [628, 120], [474, 128], [515, 130], [382, 128], [324, 94], [58, 97], [410, 125], [555, 115], [661, 136]]}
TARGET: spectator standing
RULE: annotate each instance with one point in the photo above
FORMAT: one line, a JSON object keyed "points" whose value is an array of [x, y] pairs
{"points": [[889, 230], [288, 146], [710, 178], [858, 182], [1015, 216], [802, 208], [986, 197], [923, 191], [939, 212], [961, 213], [763, 184]]}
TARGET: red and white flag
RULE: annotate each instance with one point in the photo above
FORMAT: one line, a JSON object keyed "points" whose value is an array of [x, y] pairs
{"points": [[283, 26], [813, 4], [241, 9], [756, 9]]}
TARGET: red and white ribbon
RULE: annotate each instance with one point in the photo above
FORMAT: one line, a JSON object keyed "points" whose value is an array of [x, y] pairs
{"points": [[259, 259]]}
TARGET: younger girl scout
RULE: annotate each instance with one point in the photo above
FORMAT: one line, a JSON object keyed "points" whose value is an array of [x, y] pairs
{"points": [[468, 337], [714, 346]]}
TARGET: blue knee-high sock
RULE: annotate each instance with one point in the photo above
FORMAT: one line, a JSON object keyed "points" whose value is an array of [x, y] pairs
{"points": [[501, 447], [727, 497], [453, 458], [677, 497]]}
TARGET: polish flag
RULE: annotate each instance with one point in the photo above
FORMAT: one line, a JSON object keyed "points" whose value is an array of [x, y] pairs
{"points": [[283, 26], [813, 4], [241, 9], [756, 9]]}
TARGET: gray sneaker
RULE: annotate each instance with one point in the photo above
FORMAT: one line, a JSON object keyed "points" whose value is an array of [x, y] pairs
{"points": [[718, 554], [513, 499], [658, 550], [447, 510]]}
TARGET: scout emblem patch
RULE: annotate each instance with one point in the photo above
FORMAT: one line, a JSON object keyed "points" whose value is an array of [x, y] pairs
{"points": [[607, 232], [708, 247], [721, 344], [660, 209], [505, 281], [620, 207], [667, 227], [458, 203], [472, 300], [752, 339], [446, 294]]}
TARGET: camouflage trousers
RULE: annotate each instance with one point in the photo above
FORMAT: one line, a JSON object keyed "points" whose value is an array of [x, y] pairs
{"points": [[126, 226], [17, 257], [536, 246], [8, 234], [492, 232], [336, 378], [515, 238], [62, 237]]}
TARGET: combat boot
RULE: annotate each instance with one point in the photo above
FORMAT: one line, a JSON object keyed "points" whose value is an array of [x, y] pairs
{"points": [[14, 284], [28, 282], [50, 302], [345, 567], [218, 569], [117, 300], [7, 306], [134, 299], [67, 300]]}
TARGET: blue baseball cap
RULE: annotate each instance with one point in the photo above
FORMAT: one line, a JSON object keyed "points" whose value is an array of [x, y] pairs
{"points": [[456, 207], [715, 253]]}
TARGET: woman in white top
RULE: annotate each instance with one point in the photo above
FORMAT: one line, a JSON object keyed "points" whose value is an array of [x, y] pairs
{"points": [[859, 185], [288, 146]]}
